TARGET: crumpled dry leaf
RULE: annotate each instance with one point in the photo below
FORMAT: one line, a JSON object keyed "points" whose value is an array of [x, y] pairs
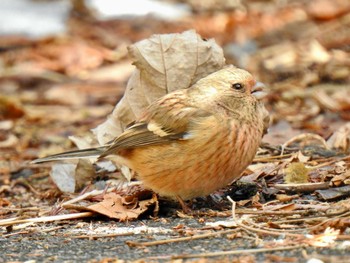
{"points": [[332, 97], [123, 208], [341, 179], [63, 176], [8, 140], [164, 63], [292, 58], [305, 139], [70, 178], [340, 140], [84, 173]]}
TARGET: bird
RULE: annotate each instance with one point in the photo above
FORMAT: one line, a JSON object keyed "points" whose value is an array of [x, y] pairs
{"points": [[191, 142]]}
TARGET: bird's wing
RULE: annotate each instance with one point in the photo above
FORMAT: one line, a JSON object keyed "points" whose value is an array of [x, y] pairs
{"points": [[82, 153], [163, 122]]}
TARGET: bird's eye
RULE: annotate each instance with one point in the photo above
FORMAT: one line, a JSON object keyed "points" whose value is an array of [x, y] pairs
{"points": [[238, 86]]}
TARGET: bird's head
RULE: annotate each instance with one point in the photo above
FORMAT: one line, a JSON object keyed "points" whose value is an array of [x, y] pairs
{"points": [[231, 87]]}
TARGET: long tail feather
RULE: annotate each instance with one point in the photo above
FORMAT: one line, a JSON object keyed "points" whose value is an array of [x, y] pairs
{"points": [[83, 153]]}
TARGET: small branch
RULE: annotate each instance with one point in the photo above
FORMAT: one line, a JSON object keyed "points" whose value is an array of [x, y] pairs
{"points": [[302, 188], [180, 239], [268, 232], [268, 159], [262, 212], [93, 237], [227, 253], [14, 221], [87, 195]]}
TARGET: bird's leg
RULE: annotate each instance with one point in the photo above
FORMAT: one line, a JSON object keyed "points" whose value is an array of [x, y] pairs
{"points": [[184, 206]]}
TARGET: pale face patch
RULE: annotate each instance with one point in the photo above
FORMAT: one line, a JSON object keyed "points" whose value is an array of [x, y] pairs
{"points": [[211, 91]]}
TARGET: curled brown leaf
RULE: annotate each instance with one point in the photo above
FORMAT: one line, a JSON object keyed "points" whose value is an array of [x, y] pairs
{"points": [[164, 63]]}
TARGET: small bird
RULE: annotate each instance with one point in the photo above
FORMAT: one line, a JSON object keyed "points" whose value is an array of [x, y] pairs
{"points": [[191, 142]]}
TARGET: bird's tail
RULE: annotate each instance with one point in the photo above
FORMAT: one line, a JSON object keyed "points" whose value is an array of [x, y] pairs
{"points": [[83, 153]]}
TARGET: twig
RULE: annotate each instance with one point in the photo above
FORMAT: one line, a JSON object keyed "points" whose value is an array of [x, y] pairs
{"points": [[20, 209], [303, 137], [227, 253], [31, 231], [281, 231], [180, 239], [16, 233], [299, 220], [8, 222], [51, 229], [302, 188], [268, 232], [329, 219], [92, 237], [86, 195], [262, 212], [271, 158], [257, 230], [233, 208]]}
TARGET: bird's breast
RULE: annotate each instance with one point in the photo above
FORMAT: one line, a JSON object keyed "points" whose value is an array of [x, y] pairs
{"points": [[211, 158]]}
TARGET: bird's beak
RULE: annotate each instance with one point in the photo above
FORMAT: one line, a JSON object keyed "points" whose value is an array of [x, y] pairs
{"points": [[259, 90]]}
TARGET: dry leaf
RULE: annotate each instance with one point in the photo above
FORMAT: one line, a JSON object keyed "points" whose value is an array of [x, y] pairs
{"points": [[70, 178], [84, 173], [306, 139], [340, 139], [341, 179], [333, 97], [123, 208], [8, 141], [164, 63], [10, 108], [292, 58], [63, 175]]}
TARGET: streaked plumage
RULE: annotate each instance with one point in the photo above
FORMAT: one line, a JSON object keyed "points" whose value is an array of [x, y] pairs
{"points": [[192, 142]]}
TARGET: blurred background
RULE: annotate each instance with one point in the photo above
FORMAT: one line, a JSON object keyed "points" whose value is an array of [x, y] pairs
{"points": [[64, 64]]}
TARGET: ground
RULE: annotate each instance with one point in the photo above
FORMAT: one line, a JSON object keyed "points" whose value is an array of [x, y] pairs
{"points": [[292, 203]]}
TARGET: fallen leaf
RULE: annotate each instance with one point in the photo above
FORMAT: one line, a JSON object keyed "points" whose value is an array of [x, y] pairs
{"points": [[340, 139], [84, 174], [123, 208], [63, 175], [164, 63], [10, 109], [70, 178]]}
